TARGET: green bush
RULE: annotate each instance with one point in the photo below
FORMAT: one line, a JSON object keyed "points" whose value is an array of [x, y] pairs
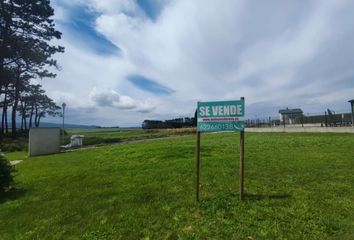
{"points": [[6, 170], [13, 145]]}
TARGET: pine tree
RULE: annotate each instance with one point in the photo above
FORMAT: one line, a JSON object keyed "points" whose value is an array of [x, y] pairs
{"points": [[25, 49]]}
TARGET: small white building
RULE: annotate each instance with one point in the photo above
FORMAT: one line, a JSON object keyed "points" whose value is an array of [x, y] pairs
{"points": [[289, 116], [77, 140]]}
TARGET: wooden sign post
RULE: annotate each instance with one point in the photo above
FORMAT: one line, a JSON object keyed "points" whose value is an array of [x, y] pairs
{"points": [[197, 166], [242, 158], [217, 117], [242, 161]]}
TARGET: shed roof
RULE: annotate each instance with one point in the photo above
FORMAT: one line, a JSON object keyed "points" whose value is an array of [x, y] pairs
{"points": [[351, 101], [290, 111]]}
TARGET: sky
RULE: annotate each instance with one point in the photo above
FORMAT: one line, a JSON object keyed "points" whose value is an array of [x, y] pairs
{"points": [[130, 60]]}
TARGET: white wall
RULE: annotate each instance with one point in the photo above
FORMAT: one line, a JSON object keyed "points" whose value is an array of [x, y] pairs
{"points": [[43, 141]]}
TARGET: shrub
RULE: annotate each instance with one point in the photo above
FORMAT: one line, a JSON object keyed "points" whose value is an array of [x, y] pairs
{"points": [[13, 145], [6, 170]]}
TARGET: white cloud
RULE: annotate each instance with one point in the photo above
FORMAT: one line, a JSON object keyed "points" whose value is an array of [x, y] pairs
{"points": [[110, 98], [274, 52]]}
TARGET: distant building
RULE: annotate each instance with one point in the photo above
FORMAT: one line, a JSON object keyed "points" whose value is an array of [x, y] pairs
{"points": [[290, 115]]}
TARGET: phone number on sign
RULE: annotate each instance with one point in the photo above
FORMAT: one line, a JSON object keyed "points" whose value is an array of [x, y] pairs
{"points": [[220, 127]]}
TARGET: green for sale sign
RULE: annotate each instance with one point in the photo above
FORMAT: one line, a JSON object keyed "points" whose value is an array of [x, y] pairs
{"points": [[221, 116]]}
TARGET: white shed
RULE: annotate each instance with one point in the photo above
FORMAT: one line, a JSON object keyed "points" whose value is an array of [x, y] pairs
{"points": [[76, 140]]}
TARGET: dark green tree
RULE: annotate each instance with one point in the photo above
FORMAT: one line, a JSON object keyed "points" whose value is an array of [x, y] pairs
{"points": [[26, 29], [45, 106]]}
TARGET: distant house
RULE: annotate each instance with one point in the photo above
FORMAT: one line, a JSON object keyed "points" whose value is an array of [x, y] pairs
{"points": [[288, 116]]}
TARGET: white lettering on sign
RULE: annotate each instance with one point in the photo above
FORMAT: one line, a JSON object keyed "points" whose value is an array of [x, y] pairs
{"points": [[227, 110], [207, 111], [223, 110], [221, 116], [233, 109], [202, 111]]}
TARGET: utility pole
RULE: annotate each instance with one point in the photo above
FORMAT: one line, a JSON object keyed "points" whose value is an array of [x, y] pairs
{"points": [[63, 106]]}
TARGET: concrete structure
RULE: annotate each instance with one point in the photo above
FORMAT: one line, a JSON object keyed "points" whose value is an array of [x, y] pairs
{"points": [[352, 108], [76, 140], [43, 141], [288, 116]]}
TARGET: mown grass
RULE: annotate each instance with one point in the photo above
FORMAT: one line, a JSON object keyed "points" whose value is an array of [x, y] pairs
{"points": [[97, 136], [104, 136], [298, 186]]}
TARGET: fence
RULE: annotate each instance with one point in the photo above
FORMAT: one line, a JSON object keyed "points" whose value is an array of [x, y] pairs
{"points": [[325, 119]]}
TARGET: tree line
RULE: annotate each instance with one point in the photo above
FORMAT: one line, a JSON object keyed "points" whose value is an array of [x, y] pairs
{"points": [[26, 54], [172, 123]]}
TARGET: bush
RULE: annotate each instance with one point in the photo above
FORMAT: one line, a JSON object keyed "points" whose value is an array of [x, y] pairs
{"points": [[6, 179], [13, 145]]}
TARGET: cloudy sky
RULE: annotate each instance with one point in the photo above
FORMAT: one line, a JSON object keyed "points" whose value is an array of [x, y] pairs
{"points": [[130, 60]]}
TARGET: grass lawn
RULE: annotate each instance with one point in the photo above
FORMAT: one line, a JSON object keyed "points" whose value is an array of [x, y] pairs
{"points": [[299, 186], [102, 136], [97, 136]]}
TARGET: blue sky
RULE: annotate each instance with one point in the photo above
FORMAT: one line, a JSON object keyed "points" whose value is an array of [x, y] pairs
{"points": [[80, 25], [126, 60], [151, 8], [149, 85]]}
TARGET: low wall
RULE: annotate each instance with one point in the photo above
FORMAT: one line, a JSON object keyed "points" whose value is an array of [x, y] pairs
{"points": [[43, 141], [303, 129]]}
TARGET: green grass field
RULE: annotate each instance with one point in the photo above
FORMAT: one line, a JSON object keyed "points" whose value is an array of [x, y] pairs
{"points": [[298, 186], [97, 136], [104, 136]]}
